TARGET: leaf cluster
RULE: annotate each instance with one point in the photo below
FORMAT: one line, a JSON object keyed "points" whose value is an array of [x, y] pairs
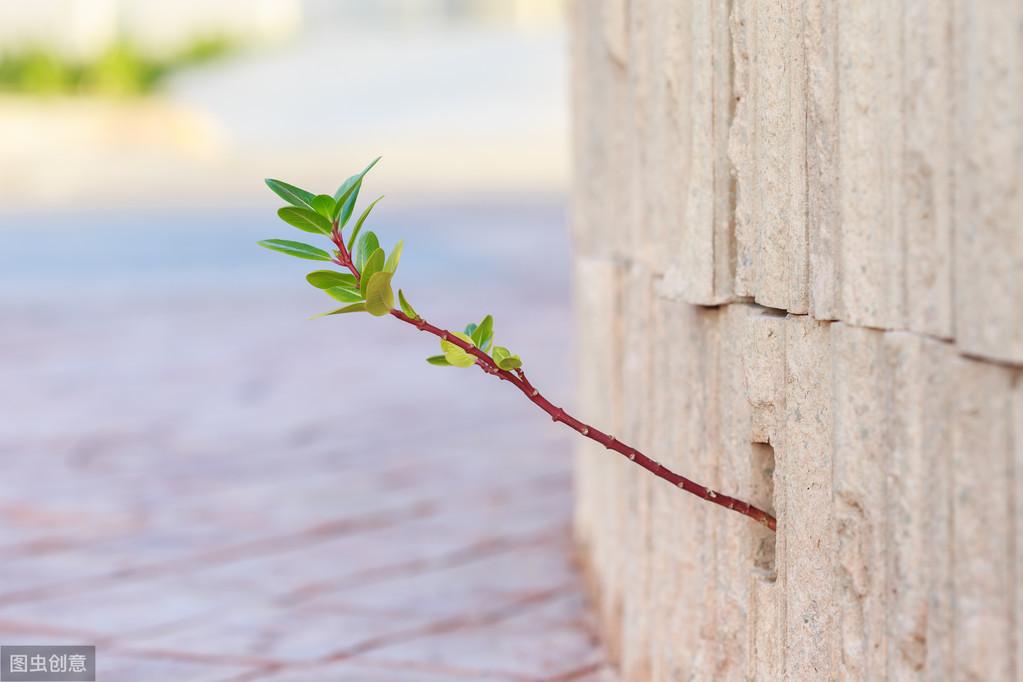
{"points": [[366, 286], [482, 337], [328, 215]]}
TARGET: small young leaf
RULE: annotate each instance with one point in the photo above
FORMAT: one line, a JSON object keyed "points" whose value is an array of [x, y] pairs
{"points": [[438, 360], [455, 355], [373, 265], [470, 328], [511, 362], [360, 221], [484, 333], [406, 307], [324, 279], [367, 245], [304, 219], [344, 294], [379, 295], [504, 358], [323, 204], [392, 260], [353, 308], [296, 196], [296, 249], [347, 194]]}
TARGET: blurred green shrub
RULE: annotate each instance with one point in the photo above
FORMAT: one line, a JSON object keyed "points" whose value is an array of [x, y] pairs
{"points": [[120, 70]]}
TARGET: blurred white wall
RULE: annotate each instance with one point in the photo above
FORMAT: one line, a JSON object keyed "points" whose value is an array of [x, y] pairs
{"points": [[82, 28], [459, 96]]}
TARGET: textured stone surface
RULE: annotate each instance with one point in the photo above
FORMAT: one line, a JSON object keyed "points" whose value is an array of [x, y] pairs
{"points": [[988, 169], [808, 527], [918, 557], [826, 199], [860, 490], [865, 170], [891, 469], [983, 573]]}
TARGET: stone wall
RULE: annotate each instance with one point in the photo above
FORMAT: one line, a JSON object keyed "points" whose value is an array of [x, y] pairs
{"points": [[799, 279]]}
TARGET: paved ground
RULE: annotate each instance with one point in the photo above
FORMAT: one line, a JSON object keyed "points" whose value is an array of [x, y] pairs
{"points": [[208, 486]]}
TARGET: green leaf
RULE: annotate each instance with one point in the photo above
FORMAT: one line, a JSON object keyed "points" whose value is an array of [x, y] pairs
{"points": [[296, 196], [470, 328], [346, 203], [296, 249], [406, 307], [392, 260], [324, 279], [374, 264], [344, 294], [360, 221], [367, 245], [438, 360], [323, 204], [353, 308], [304, 219], [379, 295], [455, 355], [347, 194], [484, 333], [504, 358]]}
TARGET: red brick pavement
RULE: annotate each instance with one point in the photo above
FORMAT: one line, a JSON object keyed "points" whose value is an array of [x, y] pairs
{"points": [[214, 488]]}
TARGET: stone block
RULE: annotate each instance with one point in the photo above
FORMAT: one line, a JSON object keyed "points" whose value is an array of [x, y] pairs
{"points": [[869, 162], [926, 192], [766, 625], [734, 534], [982, 610], [763, 355], [702, 273], [768, 152], [858, 474], [601, 131], [808, 525], [918, 502], [988, 96], [636, 543], [598, 298]]}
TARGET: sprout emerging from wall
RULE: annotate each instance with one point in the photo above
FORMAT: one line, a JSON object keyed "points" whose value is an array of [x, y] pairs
{"points": [[363, 282]]}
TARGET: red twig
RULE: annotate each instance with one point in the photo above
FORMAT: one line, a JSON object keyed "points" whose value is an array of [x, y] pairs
{"points": [[518, 379], [344, 258]]}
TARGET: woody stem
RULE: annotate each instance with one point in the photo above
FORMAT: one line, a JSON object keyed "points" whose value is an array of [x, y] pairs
{"points": [[558, 414]]}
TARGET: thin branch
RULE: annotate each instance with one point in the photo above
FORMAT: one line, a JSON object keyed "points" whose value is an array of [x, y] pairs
{"points": [[518, 379]]}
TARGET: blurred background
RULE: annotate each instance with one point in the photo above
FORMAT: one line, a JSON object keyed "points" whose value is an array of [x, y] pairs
{"points": [[197, 478]]}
